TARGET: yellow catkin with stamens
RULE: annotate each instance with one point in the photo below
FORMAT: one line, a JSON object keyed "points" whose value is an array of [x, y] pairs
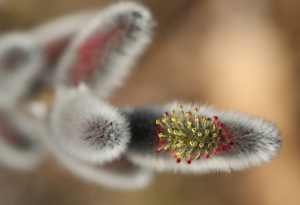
{"points": [[189, 136], [180, 154], [193, 143]]}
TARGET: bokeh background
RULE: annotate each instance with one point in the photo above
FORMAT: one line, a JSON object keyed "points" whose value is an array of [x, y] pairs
{"points": [[238, 54]]}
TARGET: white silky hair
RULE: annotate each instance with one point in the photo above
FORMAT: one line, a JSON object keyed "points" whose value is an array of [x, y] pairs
{"points": [[117, 64], [22, 158], [17, 158], [259, 145], [60, 28], [132, 178], [88, 128], [16, 83]]}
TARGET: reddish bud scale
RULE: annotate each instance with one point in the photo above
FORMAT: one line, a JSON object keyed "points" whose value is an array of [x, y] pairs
{"points": [[93, 48]]}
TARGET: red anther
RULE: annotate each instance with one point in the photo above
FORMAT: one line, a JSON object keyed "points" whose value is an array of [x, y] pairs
{"points": [[175, 155], [190, 114], [202, 119], [226, 137], [160, 142], [216, 150], [158, 150], [224, 132], [221, 125], [215, 118], [178, 160], [188, 161], [166, 114], [223, 145], [207, 155], [182, 112], [219, 139], [159, 128], [198, 157]]}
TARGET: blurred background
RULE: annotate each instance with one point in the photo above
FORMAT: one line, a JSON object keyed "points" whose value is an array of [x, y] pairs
{"points": [[238, 54]]}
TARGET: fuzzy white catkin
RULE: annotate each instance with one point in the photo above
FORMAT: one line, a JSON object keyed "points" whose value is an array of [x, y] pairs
{"points": [[255, 140], [15, 82], [88, 128], [131, 177], [62, 28], [119, 56], [19, 159], [27, 156]]}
